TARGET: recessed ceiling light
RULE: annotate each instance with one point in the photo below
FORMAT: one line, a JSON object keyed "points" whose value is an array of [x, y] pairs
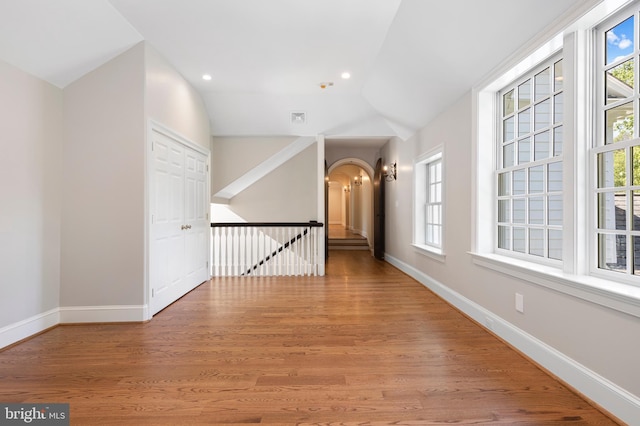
{"points": [[206, 77], [346, 75]]}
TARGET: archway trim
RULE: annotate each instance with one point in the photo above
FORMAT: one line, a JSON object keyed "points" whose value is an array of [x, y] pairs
{"points": [[353, 161]]}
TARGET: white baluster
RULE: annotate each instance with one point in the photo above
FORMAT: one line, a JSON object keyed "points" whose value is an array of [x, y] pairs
{"points": [[249, 267], [237, 252], [314, 253], [226, 251], [306, 250], [278, 259], [230, 245], [296, 252], [215, 255], [259, 251], [242, 256]]}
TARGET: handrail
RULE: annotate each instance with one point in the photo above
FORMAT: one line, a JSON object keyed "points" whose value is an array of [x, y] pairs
{"points": [[311, 223]]}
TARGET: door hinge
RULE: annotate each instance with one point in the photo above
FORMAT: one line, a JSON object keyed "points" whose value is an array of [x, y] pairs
{"points": [[153, 292], [207, 167], [153, 144], [152, 219]]}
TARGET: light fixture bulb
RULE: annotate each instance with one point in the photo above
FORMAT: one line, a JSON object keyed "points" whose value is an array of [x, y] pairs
{"points": [[346, 75], [206, 77]]}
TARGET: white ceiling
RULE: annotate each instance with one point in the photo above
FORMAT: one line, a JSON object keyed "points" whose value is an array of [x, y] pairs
{"points": [[409, 59]]}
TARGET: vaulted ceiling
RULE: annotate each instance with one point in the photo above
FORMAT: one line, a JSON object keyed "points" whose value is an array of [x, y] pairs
{"points": [[408, 59]]}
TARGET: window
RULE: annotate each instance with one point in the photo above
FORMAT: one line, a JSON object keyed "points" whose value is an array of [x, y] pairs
{"points": [[433, 206], [529, 172], [616, 154], [557, 184], [429, 202]]}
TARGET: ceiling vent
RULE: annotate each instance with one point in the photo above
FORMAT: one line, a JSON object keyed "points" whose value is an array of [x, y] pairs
{"points": [[298, 118]]}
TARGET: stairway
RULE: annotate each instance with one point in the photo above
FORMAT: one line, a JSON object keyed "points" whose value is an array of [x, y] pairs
{"points": [[356, 243]]}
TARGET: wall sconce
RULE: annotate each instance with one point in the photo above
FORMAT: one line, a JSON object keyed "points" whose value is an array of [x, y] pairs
{"points": [[389, 172], [347, 188], [357, 181]]}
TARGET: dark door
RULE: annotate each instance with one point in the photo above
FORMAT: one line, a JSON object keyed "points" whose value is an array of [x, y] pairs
{"points": [[378, 211], [326, 210]]}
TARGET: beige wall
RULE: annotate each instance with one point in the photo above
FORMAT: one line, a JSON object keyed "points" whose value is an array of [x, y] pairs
{"points": [[334, 153], [172, 101], [103, 181], [592, 335], [287, 194], [106, 116], [232, 157], [336, 203], [30, 167], [362, 208], [72, 187]]}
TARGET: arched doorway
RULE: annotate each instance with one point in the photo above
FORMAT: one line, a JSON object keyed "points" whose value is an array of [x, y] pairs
{"points": [[350, 205]]}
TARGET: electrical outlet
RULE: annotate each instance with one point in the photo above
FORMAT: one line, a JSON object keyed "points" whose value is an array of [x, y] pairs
{"points": [[520, 303]]}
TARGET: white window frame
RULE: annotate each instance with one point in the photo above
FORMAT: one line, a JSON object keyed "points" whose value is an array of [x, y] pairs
{"points": [[421, 198], [544, 194], [575, 35], [600, 147]]}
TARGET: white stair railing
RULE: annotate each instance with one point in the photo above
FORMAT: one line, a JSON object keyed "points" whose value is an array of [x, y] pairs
{"points": [[265, 249]]}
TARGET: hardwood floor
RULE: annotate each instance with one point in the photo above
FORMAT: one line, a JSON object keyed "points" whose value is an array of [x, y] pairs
{"points": [[339, 232], [364, 345]]}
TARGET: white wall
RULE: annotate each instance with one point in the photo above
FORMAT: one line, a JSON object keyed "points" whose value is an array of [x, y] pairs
{"points": [[598, 338], [30, 167], [103, 181]]}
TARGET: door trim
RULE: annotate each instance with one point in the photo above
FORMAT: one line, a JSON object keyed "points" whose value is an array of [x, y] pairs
{"points": [[156, 126]]}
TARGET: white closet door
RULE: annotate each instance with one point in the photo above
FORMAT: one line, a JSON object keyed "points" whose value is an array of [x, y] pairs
{"points": [[196, 218], [179, 235]]}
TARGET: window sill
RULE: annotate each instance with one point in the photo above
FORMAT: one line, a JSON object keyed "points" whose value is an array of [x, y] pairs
{"points": [[432, 252], [611, 294]]}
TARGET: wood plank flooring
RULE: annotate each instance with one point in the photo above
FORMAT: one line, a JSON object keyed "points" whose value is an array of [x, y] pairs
{"points": [[364, 345]]}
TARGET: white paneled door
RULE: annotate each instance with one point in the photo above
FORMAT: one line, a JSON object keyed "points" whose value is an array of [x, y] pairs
{"points": [[179, 230]]}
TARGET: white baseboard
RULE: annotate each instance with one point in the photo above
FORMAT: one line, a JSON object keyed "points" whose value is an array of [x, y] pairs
{"points": [[26, 328], [115, 313], [611, 397]]}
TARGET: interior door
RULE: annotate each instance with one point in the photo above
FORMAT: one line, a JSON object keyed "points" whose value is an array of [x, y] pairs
{"points": [[326, 210], [196, 217], [378, 211], [167, 246], [178, 249]]}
